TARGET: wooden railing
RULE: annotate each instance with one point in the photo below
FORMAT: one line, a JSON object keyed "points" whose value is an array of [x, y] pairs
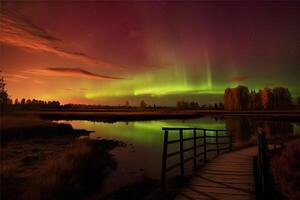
{"points": [[194, 147], [262, 165], [263, 177]]}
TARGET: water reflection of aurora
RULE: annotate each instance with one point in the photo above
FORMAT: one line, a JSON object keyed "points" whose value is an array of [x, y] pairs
{"points": [[144, 139], [144, 131]]}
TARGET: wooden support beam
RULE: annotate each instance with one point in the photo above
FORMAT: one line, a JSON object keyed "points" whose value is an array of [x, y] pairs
{"points": [[195, 148], [204, 147], [164, 159], [181, 152]]}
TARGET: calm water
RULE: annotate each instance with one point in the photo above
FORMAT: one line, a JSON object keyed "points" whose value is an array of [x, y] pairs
{"points": [[142, 155]]}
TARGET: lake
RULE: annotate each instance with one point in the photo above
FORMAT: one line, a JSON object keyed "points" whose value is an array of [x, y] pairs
{"points": [[142, 155]]}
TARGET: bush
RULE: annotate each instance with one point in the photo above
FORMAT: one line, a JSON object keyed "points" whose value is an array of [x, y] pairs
{"points": [[286, 170]]}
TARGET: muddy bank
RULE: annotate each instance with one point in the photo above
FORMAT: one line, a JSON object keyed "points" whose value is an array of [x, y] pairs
{"points": [[62, 170], [171, 113], [116, 116], [41, 159], [26, 128]]}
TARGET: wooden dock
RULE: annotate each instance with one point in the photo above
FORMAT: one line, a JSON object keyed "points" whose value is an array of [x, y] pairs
{"points": [[228, 176]]}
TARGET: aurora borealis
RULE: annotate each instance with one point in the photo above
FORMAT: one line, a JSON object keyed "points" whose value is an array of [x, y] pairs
{"points": [[162, 52]]}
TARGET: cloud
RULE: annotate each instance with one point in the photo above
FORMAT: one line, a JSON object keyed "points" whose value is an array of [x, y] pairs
{"points": [[18, 31], [14, 77], [12, 80], [39, 82], [238, 78], [68, 89], [17, 76], [71, 72]]}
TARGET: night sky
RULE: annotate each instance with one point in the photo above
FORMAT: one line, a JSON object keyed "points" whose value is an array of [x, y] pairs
{"points": [[162, 52]]}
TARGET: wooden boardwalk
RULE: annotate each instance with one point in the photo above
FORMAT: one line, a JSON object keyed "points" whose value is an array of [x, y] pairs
{"points": [[229, 176]]}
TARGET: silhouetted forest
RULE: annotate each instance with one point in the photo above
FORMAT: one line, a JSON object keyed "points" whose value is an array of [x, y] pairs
{"points": [[195, 105], [240, 98]]}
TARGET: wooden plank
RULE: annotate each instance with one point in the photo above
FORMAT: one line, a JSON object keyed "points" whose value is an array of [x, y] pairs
{"points": [[195, 193], [223, 190], [215, 185], [229, 176], [226, 173]]}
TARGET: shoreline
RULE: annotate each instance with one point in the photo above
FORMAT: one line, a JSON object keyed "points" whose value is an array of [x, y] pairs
{"points": [[158, 114], [35, 150]]}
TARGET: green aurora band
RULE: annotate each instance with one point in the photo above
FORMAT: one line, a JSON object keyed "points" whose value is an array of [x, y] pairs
{"points": [[166, 81], [178, 82]]}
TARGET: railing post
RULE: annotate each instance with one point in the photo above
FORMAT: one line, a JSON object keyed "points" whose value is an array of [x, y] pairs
{"points": [[195, 149], [262, 163], [231, 141], [181, 152], [164, 161], [204, 145], [217, 142]]}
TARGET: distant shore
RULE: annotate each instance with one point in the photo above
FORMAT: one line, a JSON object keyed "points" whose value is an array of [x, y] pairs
{"points": [[112, 115]]}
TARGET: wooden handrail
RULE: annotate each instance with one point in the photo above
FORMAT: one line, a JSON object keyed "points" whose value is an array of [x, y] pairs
{"points": [[262, 163], [196, 153], [179, 128]]}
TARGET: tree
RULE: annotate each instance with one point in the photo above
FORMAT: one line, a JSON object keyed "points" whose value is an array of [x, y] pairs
{"points": [[281, 97], [266, 97], [254, 101], [16, 101], [23, 101], [179, 104], [143, 104], [204, 106], [236, 98], [221, 106], [216, 106], [127, 104], [194, 104], [4, 99]]}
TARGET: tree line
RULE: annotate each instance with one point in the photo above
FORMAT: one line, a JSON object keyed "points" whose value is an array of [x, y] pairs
{"points": [[36, 103], [195, 105], [240, 98]]}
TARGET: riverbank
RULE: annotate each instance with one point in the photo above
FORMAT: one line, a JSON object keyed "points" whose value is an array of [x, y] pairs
{"points": [[46, 160], [74, 172], [110, 116], [113, 115], [28, 127]]}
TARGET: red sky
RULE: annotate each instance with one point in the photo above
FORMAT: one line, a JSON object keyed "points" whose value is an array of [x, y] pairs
{"points": [[101, 52]]}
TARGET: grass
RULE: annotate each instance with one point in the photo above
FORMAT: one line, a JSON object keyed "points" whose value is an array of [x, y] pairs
{"points": [[285, 168], [136, 191], [22, 128], [10, 183], [76, 173]]}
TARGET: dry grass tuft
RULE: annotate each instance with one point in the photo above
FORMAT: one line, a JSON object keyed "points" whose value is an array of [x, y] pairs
{"points": [[286, 170], [78, 172], [17, 129], [9, 182], [74, 174]]}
